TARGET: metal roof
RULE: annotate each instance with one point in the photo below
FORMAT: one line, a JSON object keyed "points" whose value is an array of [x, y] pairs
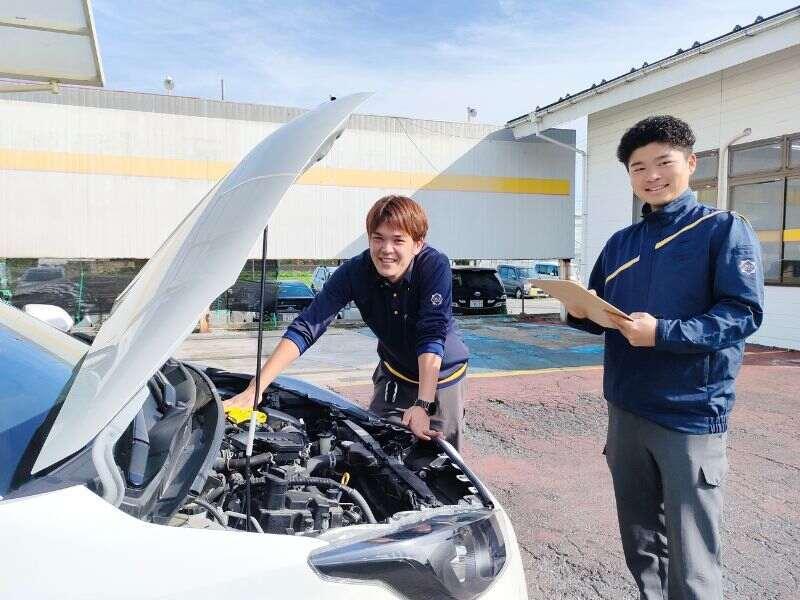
{"points": [[680, 54]]}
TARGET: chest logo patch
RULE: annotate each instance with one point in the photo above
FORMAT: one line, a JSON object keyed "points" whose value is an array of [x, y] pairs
{"points": [[747, 266], [436, 299]]}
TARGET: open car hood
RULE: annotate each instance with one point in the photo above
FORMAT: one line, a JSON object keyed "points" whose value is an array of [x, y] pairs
{"points": [[198, 261]]}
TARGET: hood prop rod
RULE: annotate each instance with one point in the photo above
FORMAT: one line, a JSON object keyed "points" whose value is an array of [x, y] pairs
{"points": [[251, 432]]}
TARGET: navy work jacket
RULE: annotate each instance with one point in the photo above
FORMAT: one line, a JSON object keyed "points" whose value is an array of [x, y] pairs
{"points": [[698, 271], [411, 317]]}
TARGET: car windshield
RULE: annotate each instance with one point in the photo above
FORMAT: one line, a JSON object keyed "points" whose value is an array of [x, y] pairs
{"points": [[526, 273], [294, 289], [35, 367], [473, 279]]}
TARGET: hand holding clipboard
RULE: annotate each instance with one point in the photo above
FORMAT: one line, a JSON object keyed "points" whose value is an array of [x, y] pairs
{"points": [[582, 301]]}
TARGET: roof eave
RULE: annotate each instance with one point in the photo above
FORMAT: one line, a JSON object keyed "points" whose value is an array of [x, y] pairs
{"points": [[749, 31]]}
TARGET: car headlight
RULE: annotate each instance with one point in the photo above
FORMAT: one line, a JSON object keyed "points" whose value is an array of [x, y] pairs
{"points": [[460, 301], [504, 297], [446, 556]]}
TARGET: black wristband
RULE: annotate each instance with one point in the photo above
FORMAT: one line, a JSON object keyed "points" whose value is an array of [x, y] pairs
{"points": [[430, 407]]}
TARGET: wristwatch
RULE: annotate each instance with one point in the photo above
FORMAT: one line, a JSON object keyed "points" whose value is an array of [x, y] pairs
{"points": [[430, 407]]}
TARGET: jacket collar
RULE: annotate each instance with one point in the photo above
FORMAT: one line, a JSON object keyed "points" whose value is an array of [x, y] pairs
{"points": [[669, 212]]}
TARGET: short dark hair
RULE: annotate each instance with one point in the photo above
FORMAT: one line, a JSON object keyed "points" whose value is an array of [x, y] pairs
{"points": [[663, 129], [400, 212]]}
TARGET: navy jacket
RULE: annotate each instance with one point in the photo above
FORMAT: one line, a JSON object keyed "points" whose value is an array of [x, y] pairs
{"points": [[411, 317], [698, 271]]}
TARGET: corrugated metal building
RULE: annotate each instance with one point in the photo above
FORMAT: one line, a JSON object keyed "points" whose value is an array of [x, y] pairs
{"points": [[748, 79], [92, 173]]}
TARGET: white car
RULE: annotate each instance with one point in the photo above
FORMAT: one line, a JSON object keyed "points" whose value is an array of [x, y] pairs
{"points": [[121, 476]]}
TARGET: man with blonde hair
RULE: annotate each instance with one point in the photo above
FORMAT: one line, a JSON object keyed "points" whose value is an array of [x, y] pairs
{"points": [[403, 288]]}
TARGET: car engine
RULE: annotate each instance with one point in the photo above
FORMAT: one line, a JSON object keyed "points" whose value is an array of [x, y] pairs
{"points": [[315, 467]]}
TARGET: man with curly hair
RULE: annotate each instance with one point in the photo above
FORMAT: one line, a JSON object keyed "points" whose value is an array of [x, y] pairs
{"points": [[691, 278]]}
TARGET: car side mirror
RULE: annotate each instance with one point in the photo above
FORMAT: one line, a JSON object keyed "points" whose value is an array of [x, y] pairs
{"points": [[52, 315]]}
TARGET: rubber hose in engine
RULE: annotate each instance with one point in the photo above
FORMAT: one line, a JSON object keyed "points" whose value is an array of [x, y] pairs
{"points": [[354, 494], [234, 464], [324, 460], [212, 510]]}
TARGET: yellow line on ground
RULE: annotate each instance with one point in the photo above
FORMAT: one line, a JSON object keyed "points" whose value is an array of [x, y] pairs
{"points": [[487, 375], [212, 170], [492, 374]]}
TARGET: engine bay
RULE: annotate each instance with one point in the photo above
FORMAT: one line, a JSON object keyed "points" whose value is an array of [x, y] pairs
{"points": [[319, 465]]}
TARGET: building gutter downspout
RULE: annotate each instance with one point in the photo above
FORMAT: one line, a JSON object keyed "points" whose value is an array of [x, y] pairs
{"points": [[722, 170], [585, 194]]}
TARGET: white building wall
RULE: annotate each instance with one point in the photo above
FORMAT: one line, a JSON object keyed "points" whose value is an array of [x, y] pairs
{"points": [[763, 94], [99, 174]]}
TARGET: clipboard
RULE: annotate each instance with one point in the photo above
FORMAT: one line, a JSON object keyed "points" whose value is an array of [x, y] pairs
{"points": [[570, 292]]}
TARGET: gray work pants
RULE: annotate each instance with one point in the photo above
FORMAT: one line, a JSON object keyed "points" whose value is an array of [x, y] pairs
{"points": [[390, 397], [668, 488]]}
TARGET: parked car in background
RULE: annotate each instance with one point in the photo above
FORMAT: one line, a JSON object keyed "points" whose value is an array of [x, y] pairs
{"points": [[283, 298], [519, 281], [477, 290], [320, 276], [47, 284], [293, 297], [546, 270]]}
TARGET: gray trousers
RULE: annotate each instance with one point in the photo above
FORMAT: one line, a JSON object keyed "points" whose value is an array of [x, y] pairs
{"points": [[668, 488], [390, 397]]}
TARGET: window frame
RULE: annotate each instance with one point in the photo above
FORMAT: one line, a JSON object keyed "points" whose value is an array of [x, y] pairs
{"points": [[784, 173], [781, 139]]}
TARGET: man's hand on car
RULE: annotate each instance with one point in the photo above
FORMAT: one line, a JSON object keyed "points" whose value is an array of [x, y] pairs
{"points": [[418, 421], [242, 399], [640, 332]]}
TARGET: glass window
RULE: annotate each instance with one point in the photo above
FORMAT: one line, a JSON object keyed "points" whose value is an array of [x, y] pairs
{"points": [[637, 209], [707, 195], [791, 235], [756, 159], [762, 204], [707, 167], [794, 152]]}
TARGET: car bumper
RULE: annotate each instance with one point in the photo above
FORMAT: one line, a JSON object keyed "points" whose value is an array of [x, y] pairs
{"points": [[498, 307]]}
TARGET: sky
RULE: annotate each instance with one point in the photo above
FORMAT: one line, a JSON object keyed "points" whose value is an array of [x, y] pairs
{"points": [[425, 60]]}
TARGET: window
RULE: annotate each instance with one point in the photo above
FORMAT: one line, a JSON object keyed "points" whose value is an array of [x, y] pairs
{"points": [[759, 158], [794, 156], [704, 179], [765, 188]]}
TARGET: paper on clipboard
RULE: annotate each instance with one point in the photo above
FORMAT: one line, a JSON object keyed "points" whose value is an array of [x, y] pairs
{"points": [[574, 294]]}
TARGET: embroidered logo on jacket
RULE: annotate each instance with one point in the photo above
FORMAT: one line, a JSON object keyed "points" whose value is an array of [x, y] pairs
{"points": [[436, 299], [747, 266]]}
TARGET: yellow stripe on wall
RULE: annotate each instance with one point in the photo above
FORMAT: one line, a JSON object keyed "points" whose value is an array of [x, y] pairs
{"points": [[774, 235], [210, 170]]}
